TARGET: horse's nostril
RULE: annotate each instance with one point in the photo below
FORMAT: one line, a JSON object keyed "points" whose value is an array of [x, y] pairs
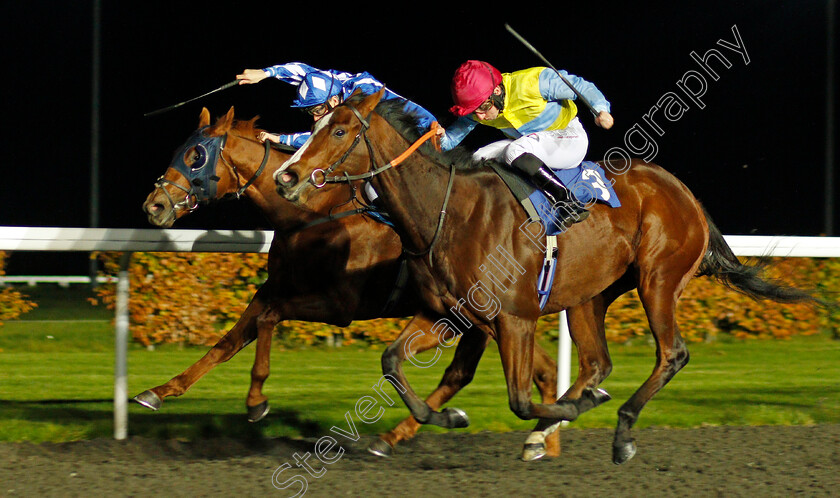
{"points": [[287, 179], [153, 208]]}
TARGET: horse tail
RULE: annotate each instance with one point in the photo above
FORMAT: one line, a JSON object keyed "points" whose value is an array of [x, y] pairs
{"points": [[723, 265]]}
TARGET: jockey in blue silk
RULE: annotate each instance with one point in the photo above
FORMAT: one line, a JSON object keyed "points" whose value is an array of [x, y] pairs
{"points": [[320, 91], [535, 109]]}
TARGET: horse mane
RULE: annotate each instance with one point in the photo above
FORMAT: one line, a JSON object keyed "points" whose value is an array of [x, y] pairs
{"points": [[406, 123], [246, 127]]}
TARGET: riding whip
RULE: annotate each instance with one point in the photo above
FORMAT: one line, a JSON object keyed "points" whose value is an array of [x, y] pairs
{"points": [[538, 54], [179, 104]]}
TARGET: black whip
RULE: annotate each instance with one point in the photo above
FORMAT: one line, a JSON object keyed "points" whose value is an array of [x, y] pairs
{"points": [[538, 54], [179, 104]]}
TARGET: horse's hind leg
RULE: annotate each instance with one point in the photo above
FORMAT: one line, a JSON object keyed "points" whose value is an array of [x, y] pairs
{"points": [[457, 375], [256, 402], [404, 347], [659, 294], [237, 338]]}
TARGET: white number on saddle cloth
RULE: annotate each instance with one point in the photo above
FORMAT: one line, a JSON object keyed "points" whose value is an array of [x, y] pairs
{"points": [[590, 174]]}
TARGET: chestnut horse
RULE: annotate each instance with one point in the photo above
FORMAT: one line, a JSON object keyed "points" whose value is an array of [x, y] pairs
{"points": [[332, 271], [455, 215]]}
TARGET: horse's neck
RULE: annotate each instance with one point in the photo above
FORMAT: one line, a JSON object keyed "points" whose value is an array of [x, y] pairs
{"points": [[262, 191], [413, 195]]}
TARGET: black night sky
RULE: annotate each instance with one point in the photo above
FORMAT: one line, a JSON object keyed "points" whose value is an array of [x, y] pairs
{"points": [[754, 155]]}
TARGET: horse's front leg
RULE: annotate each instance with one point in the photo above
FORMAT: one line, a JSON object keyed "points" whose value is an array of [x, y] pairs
{"points": [[515, 336], [237, 338], [457, 375], [544, 439], [586, 325], [405, 346]]}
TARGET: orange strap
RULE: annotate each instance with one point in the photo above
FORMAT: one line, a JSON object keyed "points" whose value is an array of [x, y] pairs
{"points": [[431, 134]]}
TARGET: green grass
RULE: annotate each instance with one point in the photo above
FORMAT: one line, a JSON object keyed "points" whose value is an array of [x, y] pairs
{"points": [[60, 303], [56, 384]]}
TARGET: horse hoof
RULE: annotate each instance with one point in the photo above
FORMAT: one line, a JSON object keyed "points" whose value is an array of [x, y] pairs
{"points": [[149, 399], [623, 452], [599, 396], [380, 448], [457, 418], [533, 451], [257, 413]]}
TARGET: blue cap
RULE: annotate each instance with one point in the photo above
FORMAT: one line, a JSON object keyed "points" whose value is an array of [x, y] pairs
{"points": [[316, 88]]}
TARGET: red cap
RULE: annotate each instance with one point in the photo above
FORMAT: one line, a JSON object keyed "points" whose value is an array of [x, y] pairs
{"points": [[473, 84]]}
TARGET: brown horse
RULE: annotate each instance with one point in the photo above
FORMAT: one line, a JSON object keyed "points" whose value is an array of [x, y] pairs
{"points": [[331, 270], [458, 215]]}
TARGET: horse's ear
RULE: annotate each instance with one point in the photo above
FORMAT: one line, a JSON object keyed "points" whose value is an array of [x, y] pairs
{"points": [[224, 123], [204, 118], [371, 101]]}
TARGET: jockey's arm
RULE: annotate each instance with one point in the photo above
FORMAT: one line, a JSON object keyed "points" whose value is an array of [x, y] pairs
{"points": [[553, 88], [249, 76], [604, 120], [456, 132], [295, 140], [292, 73]]}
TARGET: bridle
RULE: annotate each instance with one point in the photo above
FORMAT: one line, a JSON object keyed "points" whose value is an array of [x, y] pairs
{"points": [[203, 182], [431, 134], [347, 178], [200, 175]]}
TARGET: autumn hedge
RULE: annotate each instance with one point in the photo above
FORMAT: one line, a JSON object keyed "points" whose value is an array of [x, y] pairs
{"points": [[12, 303], [194, 298]]}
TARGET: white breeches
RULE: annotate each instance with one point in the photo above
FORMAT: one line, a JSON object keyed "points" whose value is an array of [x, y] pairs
{"points": [[558, 149]]}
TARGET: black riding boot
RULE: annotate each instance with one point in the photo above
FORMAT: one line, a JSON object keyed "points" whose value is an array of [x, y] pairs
{"points": [[569, 209]]}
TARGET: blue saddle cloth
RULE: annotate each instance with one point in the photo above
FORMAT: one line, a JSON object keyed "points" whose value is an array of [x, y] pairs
{"points": [[587, 182]]}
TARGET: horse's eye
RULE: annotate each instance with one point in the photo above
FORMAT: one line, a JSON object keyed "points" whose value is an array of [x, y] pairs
{"points": [[340, 132], [198, 158]]}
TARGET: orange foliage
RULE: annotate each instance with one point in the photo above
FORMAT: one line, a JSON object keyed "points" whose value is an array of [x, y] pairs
{"points": [[188, 298], [708, 307], [195, 297], [12, 303]]}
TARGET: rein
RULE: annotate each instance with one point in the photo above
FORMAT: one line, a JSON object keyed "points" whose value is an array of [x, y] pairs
{"points": [[256, 174], [431, 134]]}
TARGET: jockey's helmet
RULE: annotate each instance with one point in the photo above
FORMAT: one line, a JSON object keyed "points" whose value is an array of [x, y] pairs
{"points": [[316, 88], [472, 85]]}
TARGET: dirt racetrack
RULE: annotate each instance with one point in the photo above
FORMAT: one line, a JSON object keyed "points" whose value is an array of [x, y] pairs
{"points": [[712, 461]]}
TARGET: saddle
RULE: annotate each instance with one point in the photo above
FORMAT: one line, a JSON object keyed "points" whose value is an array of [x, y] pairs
{"points": [[586, 181]]}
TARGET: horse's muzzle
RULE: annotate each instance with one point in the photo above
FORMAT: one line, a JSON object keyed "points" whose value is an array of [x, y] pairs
{"points": [[285, 180], [159, 214]]}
